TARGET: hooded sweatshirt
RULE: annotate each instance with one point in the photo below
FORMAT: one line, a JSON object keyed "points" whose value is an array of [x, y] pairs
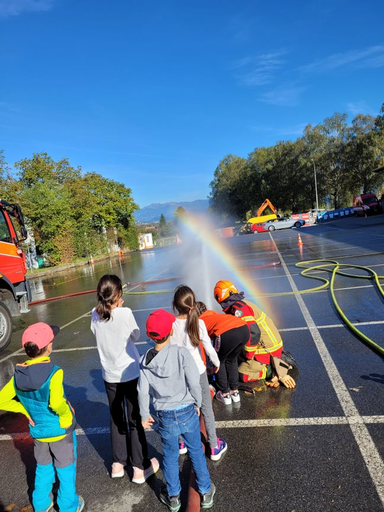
{"points": [[169, 378]]}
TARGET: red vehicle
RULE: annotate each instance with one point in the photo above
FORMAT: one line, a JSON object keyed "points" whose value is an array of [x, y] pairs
{"points": [[255, 228], [15, 292], [367, 204]]}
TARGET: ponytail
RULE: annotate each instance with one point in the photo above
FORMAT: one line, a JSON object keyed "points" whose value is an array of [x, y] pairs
{"points": [[109, 291], [184, 302]]}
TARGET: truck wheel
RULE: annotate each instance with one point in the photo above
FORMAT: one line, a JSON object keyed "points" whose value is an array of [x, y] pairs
{"points": [[6, 326]]}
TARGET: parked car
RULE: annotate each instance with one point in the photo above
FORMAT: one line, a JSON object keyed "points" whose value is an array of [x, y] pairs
{"points": [[255, 228], [283, 224]]}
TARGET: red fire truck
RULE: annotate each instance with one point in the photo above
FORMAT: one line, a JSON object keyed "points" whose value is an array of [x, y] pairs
{"points": [[15, 292]]}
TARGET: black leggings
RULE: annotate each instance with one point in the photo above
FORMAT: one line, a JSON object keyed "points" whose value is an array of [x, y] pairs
{"points": [[127, 437], [232, 342]]}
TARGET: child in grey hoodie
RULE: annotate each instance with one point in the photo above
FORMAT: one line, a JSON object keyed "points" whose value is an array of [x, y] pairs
{"points": [[170, 382]]}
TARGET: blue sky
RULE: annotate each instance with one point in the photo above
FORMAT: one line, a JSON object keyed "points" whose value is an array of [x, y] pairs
{"points": [[155, 93]]}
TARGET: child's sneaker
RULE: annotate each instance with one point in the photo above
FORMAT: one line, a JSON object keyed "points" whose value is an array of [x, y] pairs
{"points": [[117, 470], [81, 504], [141, 475], [182, 448], [224, 399], [173, 502], [235, 396], [217, 452], [49, 508], [207, 499]]}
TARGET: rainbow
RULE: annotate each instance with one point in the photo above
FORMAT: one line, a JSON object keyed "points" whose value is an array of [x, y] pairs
{"points": [[203, 231]]}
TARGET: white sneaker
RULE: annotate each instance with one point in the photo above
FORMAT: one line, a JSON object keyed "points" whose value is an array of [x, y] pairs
{"points": [[235, 395], [117, 470], [224, 399]]}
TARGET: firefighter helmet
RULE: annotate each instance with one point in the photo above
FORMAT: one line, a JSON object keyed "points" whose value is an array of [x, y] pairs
{"points": [[223, 290]]}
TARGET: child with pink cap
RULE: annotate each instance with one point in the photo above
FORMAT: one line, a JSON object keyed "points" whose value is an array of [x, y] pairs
{"points": [[36, 390]]}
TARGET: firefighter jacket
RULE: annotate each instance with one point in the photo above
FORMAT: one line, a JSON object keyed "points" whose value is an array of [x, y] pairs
{"points": [[269, 341]]}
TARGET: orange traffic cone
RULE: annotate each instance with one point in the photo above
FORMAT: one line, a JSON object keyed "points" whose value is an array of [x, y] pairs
{"points": [[300, 242]]}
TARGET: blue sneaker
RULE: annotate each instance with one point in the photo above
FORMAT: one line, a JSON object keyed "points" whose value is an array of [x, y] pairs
{"points": [[81, 504], [221, 448]]}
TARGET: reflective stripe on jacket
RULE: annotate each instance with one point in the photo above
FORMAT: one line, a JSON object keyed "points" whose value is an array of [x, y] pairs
{"points": [[270, 342]]}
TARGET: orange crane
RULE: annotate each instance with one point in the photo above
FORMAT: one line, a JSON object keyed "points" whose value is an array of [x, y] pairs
{"points": [[252, 223]]}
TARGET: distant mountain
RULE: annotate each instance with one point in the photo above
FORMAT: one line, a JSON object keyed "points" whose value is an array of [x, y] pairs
{"points": [[152, 212]]}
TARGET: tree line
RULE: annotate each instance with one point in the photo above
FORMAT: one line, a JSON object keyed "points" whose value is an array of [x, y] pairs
{"points": [[72, 214], [342, 157]]}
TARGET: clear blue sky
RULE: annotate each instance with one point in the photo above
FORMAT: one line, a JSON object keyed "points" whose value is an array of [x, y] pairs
{"points": [[154, 93]]}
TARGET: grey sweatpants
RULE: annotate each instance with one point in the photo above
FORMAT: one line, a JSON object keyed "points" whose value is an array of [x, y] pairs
{"points": [[207, 412]]}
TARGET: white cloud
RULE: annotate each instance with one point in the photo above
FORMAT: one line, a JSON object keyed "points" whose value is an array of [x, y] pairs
{"points": [[284, 95], [259, 69], [368, 57], [16, 7], [360, 107]]}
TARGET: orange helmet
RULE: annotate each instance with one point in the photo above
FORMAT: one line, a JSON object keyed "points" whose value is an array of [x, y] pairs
{"points": [[223, 290]]}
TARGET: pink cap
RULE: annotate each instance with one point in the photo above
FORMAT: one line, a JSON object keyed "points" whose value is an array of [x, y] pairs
{"points": [[40, 334]]}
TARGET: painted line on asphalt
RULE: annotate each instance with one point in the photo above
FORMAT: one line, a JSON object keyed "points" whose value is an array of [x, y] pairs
{"points": [[332, 326], [367, 447], [259, 423], [288, 329]]}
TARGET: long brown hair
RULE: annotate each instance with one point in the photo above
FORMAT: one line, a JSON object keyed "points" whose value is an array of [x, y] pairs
{"points": [[109, 291], [184, 302]]}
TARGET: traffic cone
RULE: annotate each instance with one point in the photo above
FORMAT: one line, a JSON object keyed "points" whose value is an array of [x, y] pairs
{"points": [[300, 242]]}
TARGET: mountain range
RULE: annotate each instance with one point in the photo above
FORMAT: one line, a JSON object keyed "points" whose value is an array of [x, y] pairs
{"points": [[152, 212]]}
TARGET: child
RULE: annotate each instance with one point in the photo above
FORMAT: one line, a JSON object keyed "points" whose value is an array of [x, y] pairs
{"points": [[232, 335], [258, 351], [169, 380], [116, 331], [189, 331], [36, 390]]}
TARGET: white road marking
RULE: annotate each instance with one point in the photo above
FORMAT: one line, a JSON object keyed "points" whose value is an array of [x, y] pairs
{"points": [[366, 445], [259, 423]]}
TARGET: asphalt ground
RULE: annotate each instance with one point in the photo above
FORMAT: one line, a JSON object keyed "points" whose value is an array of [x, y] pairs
{"points": [[318, 447]]}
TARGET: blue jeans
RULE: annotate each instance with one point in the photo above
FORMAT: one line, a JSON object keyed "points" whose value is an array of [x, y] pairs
{"points": [[172, 424]]}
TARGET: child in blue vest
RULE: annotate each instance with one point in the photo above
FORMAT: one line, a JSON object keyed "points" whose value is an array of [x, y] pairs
{"points": [[36, 390]]}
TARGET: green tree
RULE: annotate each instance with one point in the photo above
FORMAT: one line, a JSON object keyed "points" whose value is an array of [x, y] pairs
{"points": [[165, 228], [72, 213], [229, 187]]}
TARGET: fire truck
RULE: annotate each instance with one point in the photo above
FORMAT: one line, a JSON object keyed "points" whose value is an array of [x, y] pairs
{"points": [[15, 292]]}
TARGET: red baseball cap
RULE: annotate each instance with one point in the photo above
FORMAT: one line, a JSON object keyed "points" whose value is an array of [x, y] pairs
{"points": [[159, 324], [41, 334]]}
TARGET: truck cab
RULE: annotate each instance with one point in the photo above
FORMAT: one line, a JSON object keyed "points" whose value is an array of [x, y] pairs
{"points": [[15, 292], [367, 204]]}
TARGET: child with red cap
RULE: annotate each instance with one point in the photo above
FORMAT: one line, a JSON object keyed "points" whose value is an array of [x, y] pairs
{"points": [[170, 382], [36, 390]]}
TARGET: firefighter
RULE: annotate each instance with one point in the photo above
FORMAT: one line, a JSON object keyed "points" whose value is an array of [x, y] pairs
{"points": [[265, 338]]}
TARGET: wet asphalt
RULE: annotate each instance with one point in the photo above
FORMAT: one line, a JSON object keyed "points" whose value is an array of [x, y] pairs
{"points": [[316, 448]]}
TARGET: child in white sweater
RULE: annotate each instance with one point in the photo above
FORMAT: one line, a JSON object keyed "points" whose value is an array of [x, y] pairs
{"points": [[116, 331]]}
